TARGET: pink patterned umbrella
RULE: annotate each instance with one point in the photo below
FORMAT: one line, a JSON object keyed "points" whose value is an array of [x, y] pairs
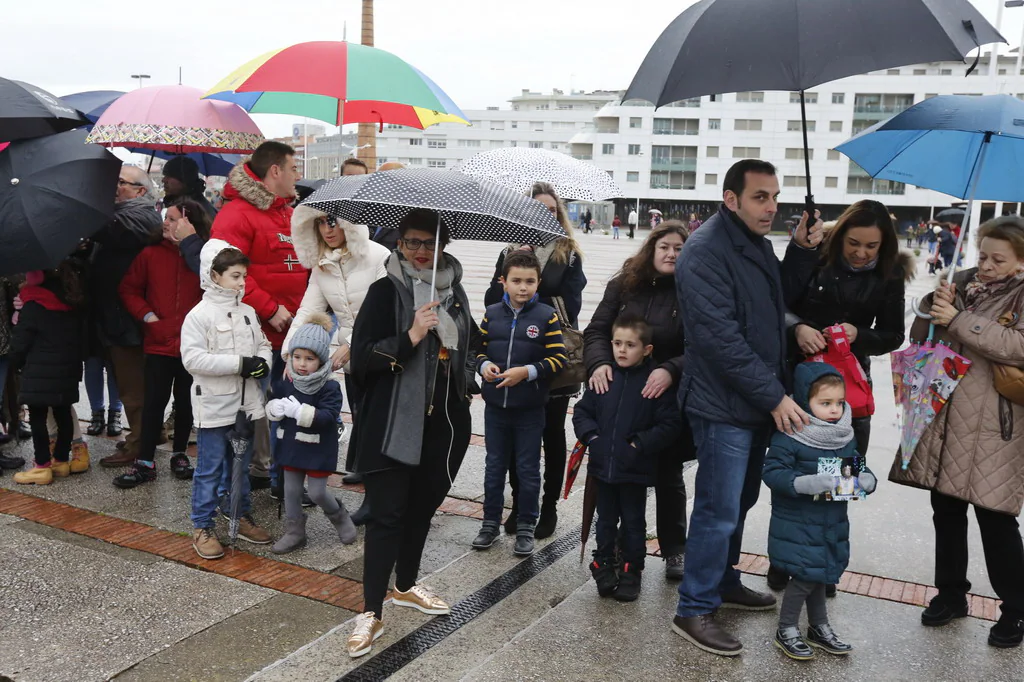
{"points": [[174, 118]]}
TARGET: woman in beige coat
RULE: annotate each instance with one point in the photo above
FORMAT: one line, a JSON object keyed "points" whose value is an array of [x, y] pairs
{"points": [[973, 452]]}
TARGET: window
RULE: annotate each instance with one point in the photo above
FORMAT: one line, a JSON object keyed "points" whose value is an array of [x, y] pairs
{"points": [[714, 124], [747, 124], [469, 143], [632, 176], [831, 182], [607, 148], [563, 125], [798, 153], [415, 162], [437, 144], [945, 72], [749, 96], [835, 126], [838, 98], [711, 178], [416, 141], [930, 95], [795, 126], [746, 152], [636, 122], [794, 181], [1002, 72], [833, 155], [543, 107], [920, 72], [537, 126], [497, 125], [634, 150], [436, 163], [556, 146], [611, 174], [809, 98], [515, 124], [712, 152], [536, 145], [892, 72], [497, 144]]}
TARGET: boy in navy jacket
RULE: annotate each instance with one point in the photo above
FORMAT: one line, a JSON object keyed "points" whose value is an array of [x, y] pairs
{"points": [[523, 349], [625, 433]]}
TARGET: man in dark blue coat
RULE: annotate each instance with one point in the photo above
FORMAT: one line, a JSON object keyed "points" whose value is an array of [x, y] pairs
{"points": [[733, 296]]}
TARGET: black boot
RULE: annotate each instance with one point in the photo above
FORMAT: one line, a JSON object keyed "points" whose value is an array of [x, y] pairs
{"points": [[511, 523], [547, 521], [362, 515], [629, 583], [96, 424], [114, 423]]}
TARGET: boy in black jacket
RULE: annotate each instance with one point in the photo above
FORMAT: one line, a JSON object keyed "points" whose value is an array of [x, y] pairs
{"points": [[625, 433], [523, 349]]}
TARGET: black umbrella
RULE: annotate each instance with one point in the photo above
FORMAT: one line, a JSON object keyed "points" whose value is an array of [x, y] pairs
{"points": [[27, 111], [950, 215], [55, 191], [718, 46], [240, 438], [305, 187]]}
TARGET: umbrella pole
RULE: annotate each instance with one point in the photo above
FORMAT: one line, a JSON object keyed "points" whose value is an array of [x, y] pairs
{"points": [[809, 198], [965, 228], [150, 166], [433, 275]]}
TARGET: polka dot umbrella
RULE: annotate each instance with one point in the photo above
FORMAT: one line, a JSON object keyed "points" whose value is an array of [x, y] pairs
{"points": [[518, 168]]}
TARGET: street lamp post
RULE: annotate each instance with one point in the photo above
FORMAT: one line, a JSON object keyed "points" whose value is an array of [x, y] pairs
{"points": [[140, 77]]}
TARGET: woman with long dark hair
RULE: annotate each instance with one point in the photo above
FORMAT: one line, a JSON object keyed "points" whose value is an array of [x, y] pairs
{"points": [[645, 287], [562, 278]]}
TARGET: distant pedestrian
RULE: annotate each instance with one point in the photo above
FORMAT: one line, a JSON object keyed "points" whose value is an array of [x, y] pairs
{"points": [[947, 245], [628, 433], [694, 223], [587, 219], [632, 221], [616, 224]]}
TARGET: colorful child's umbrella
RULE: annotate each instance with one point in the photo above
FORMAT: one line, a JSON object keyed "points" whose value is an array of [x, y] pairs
{"points": [[923, 376], [338, 82]]}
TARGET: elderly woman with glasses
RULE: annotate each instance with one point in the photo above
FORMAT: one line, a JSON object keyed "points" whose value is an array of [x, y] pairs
{"points": [[411, 359]]}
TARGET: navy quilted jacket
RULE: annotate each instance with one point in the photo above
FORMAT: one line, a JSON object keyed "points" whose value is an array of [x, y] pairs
{"points": [[733, 297]]}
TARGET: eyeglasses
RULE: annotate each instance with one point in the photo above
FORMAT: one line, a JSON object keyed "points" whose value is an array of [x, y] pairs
{"points": [[416, 244], [330, 221], [121, 182]]}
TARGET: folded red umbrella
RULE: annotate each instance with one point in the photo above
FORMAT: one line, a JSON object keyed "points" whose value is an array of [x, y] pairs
{"points": [[575, 461]]}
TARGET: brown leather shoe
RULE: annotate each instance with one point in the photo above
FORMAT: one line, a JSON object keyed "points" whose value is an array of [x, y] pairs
{"points": [[704, 633], [121, 458]]}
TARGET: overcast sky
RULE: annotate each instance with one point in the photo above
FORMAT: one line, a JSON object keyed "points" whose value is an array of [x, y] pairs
{"points": [[480, 52]]}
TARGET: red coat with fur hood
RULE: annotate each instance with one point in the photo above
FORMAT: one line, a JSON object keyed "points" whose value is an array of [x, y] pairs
{"points": [[259, 224]]}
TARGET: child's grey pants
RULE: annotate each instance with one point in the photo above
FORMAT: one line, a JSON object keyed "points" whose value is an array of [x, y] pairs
{"points": [[797, 593]]}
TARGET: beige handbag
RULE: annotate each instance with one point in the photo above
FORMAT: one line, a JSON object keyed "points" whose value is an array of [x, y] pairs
{"points": [[575, 371]]}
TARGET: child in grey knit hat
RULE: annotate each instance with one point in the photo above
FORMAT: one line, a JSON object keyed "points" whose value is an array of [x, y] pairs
{"points": [[306, 410]]}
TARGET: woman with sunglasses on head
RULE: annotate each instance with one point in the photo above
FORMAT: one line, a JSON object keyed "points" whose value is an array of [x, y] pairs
{"points": [[413, 360], [561, 277]]}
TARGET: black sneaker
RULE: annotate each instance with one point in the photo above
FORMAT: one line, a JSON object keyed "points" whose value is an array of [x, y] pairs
{"points": [[792, 644], [746, 599], [258, 482], [674, 567], [822, 637], [137, 474], [777, 578], [1007, 633], [181, 467], [353, 478], [8, 462], [524, 544], [943, 609], [629, 583], [605, 576], [361, 516], [488, 536], [546, 523]]}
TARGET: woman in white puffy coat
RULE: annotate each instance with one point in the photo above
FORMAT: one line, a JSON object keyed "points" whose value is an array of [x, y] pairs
{"points": [[343, 263]]}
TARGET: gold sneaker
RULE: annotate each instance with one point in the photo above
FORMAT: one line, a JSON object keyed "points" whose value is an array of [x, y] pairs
{"points": [[35, 475], [60, 469], [367, 629], [420, 598], [79, 457]]}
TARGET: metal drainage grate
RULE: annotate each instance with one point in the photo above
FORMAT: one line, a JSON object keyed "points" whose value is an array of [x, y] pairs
{"points": [[419, 641]]}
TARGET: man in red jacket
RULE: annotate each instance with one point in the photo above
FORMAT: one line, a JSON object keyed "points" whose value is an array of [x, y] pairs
{"points": [[257, 219]]}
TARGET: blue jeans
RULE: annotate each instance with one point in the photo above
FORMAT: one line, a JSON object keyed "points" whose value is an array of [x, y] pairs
{"points": [[625, 503], [729, 463], [94, 385], [509, 432], [213, 476]]}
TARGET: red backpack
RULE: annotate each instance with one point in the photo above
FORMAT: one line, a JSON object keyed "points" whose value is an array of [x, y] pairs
{"points": [[838, 354]]}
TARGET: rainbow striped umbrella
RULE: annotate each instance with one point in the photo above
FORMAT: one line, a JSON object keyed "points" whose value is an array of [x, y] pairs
{"points": [[338, 82]]}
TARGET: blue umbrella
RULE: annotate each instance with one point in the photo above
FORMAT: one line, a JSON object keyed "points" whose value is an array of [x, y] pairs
{"points": [[968, 147], [93, 103]]}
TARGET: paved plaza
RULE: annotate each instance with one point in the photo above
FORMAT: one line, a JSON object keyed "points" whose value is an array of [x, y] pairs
{"points": [[99, 583]]}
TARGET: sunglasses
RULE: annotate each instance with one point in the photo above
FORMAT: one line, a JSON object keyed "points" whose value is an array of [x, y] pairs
{"points": [[330, 221]]}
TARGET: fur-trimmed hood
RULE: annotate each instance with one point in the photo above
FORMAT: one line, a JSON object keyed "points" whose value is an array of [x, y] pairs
{"points": [[357, 237], [243, 184]]}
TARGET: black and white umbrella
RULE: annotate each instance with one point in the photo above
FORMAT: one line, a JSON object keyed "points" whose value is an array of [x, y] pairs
{"points": [[27, 111], [519, 167], [471, 208]]}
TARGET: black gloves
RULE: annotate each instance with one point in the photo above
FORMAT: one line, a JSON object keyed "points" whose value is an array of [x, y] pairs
{"points": [[254, 368]]}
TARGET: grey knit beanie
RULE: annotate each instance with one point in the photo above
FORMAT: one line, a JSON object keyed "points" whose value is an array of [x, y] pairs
{"points": [[315, 336]]}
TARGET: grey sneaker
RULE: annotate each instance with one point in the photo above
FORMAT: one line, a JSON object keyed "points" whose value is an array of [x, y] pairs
{"points": [[524, 544]]}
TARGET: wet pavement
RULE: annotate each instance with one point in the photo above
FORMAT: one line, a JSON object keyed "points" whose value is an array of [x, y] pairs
{"points": [[82, 606]]}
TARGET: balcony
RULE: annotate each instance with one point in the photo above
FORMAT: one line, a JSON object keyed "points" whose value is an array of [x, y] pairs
{"points": [[583, 157], [665, 185], [664, 163], [879, 112], [678, 131], [604, 128]]}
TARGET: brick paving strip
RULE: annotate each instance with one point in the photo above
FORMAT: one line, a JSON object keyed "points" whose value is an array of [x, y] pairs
{"points": [[348, 594]]}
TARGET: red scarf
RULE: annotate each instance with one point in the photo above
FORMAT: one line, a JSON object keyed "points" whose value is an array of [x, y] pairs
{"points": [[34, 291]]}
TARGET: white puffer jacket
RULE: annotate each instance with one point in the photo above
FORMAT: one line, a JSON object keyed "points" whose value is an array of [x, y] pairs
{"points": [[216, 335], [339, 279]]}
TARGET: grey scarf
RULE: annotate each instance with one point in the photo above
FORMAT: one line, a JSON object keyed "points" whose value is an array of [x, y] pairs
{"points": [[139, 217], [823, 435], [311, 383], [418, 282]]}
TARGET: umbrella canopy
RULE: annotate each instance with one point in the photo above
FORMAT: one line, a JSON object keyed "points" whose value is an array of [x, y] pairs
{"points": [[55, 191], [27, 111], [654, 211], [174, 118], [305, 187], [350, 83], [472, 208], [92, 103], [718, 46], [950, 215], [518, 168]]}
